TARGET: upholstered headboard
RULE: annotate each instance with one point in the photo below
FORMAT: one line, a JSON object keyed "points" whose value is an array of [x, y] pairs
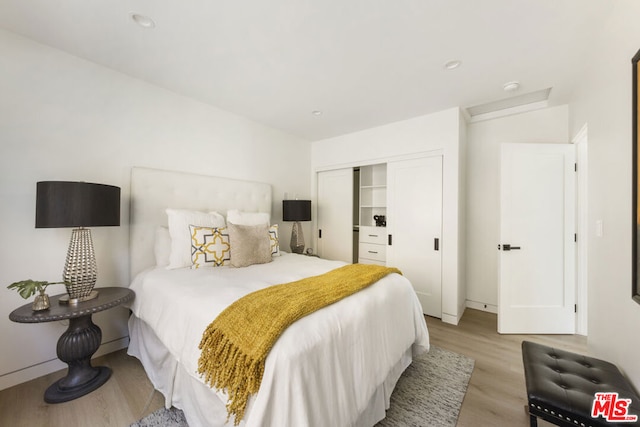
{"points": [[154, 190]]}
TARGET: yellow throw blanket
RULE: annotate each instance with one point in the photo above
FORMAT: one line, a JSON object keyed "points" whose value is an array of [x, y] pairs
{"points": [[236, 344]]}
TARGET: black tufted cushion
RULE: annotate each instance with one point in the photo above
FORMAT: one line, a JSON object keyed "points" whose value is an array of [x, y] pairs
{"points": [[561, 385]]}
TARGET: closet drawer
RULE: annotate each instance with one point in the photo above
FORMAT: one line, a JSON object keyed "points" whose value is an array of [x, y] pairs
{"points": [[376, 235], [372, 251]]}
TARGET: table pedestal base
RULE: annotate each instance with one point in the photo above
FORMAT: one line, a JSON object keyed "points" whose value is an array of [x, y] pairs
{"points": [[75, 347], [57, 394]]}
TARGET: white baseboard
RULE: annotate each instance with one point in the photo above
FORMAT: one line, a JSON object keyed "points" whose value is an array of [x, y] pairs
{"points": [[482, 306], [454, 319], [31, 372], [449, 318]]}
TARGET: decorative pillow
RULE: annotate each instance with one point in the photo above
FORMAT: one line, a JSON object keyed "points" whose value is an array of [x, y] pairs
{"points": [[162, 246], [247, 218], [250, 244], [179, 222], [273, 240], [209, 246]]}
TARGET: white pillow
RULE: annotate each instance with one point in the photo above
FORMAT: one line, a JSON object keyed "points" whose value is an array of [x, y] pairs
{"points": [[162, 246], [274, 240], [237, 217], [179, 221]]}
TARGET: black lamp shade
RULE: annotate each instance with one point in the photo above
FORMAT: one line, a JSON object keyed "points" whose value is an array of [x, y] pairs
{"points": [[76, 204], [296, 210]]}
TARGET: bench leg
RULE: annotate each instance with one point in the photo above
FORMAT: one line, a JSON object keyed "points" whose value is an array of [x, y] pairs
{"points": [[533, 420]]}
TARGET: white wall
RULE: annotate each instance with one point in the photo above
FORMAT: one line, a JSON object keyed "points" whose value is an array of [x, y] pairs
{"points": [[63, 118], [603, 101], [484, 138], [434, 132]]}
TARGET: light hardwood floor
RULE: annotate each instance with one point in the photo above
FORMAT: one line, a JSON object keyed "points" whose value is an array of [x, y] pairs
{"points": [[495, 397]]}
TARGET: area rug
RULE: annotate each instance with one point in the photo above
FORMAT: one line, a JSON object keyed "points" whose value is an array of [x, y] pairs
{"points": [[429, 393]]}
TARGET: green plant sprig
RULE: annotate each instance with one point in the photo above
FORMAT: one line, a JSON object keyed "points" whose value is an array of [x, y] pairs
{"points": [[27, 288]]}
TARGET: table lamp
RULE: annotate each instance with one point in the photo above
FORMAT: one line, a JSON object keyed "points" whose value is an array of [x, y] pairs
{"points": [[78, 205], [296, 210]]}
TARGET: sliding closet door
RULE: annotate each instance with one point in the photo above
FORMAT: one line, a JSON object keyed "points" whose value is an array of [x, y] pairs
{"points": [[335, 214], [414, 223]]}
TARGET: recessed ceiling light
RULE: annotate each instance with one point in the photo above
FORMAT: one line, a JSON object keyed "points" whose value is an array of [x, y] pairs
{"points": [[143, 21], [316, 112], [452, 65], [511, 86]]}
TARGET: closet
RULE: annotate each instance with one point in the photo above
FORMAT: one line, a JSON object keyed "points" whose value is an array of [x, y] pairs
{"points": [[372, 213], [388, 214]]}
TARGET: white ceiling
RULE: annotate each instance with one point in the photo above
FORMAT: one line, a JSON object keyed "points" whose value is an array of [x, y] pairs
{"points": [[363, 63]]}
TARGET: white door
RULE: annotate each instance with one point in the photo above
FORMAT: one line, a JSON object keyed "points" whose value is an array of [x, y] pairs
{"points": [[335, 214], [537, 249], [414, 223]]}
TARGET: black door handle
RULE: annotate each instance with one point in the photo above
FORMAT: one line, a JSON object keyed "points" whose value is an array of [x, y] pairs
{"points": [[508, 247]]}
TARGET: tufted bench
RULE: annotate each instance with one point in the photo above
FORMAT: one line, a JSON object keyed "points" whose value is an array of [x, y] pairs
{"points": [[561, 386]]}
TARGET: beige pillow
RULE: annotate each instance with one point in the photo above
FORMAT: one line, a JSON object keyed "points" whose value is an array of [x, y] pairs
{"points": [[250, 244]]}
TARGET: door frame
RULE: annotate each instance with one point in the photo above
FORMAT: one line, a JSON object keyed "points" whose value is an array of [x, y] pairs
{"points": [[582, 229]]}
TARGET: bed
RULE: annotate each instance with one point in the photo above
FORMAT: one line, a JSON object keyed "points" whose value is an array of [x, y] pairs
{"points": [[336, 366]]}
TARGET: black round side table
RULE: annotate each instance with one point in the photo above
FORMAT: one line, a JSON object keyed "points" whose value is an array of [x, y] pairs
{"points": [[78, 343]]}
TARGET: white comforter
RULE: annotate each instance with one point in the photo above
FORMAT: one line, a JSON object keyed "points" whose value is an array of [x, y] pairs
{"points": [[324, 369]]}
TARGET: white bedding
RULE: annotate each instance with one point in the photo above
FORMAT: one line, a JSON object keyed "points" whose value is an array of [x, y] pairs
{"points": [[324, 370]]}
